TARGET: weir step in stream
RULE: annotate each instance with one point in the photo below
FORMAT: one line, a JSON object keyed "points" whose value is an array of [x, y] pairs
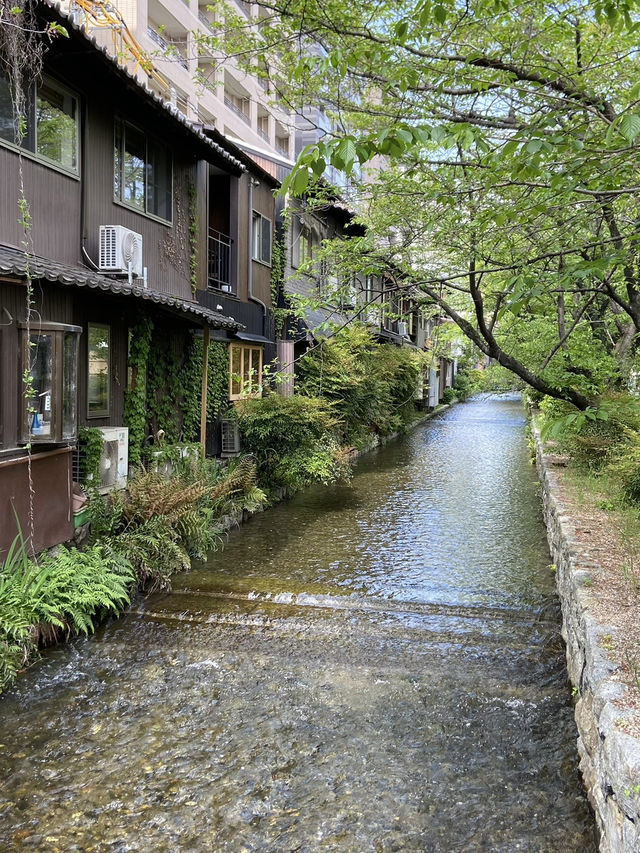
{"points": [[374, 667]]}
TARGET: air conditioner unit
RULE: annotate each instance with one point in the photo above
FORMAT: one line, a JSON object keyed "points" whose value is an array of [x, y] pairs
{"points": [[230, 443], [403, 330], [114, 462], [120, 249]]}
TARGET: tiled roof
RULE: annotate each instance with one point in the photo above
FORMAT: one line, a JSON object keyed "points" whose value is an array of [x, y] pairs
{"points": [[223, 152], [13, 262]]}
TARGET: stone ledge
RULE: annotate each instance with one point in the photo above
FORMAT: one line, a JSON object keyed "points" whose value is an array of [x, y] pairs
{"points": [[609, 756]]}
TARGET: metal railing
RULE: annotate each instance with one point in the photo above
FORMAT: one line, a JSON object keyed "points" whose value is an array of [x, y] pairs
{"points": [[237, 109], [170, 48], [219, 261]]}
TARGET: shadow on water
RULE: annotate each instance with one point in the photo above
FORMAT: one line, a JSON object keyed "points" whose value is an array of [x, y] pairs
{"points": [[371, 668]]}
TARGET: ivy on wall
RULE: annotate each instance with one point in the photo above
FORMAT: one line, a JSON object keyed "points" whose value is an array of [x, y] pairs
{"points": [[90, 444], [278, 266], [218, 380], [194, 230], [166, 385], [135, 398]]}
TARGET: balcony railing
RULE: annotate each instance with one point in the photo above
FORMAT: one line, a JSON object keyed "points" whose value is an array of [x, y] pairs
{"points": [[237, 109], [263, 134], [168, 47], [219, 261]]}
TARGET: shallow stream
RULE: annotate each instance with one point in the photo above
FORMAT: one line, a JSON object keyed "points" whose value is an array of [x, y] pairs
{"points": [[367, 668]]}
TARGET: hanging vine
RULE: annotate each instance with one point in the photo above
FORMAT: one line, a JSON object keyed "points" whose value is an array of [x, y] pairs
{"points": [[21, 51]]}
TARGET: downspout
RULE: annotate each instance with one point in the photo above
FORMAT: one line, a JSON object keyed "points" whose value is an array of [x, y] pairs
{"points": [[253, 298], [87, 259]]}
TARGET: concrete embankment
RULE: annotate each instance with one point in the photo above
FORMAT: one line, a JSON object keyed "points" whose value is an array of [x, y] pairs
{"points": [[609, 753]]}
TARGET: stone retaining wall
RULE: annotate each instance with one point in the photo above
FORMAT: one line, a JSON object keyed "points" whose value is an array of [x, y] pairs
{"points": [[609, 757]]}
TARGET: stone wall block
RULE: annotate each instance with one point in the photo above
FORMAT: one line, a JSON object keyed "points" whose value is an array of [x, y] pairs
{"points": [[609, 756]]}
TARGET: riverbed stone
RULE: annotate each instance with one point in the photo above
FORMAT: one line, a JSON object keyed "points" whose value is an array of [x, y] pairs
{"points": [[609, 756]]}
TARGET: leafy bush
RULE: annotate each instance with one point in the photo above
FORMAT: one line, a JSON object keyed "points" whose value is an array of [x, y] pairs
{"points": [[160, 524], [591, 438], [448, 395], [295, 440], [371, 385]]}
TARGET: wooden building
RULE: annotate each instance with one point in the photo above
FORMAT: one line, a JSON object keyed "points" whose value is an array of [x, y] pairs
{"points": [[128, 203]]}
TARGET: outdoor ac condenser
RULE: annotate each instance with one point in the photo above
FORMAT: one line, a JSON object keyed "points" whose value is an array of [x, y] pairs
{"points": [[230, 443], [114, 462], [120, 247]]}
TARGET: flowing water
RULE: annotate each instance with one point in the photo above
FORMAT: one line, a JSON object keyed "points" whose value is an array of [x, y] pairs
{"points": [[367, 668]]}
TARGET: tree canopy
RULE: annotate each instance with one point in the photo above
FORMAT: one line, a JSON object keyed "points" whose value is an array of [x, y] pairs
{"points": [[493, 149]]}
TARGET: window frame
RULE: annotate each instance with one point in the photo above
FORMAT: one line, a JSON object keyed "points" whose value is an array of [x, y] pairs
{"points": [[245, 349], [259, 219], [105, 412], [29, 147], [119, 127], [57, 331]]}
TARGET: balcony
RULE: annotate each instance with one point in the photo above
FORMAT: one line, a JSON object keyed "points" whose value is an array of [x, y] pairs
{"points": [[170, 49], [219, 261], [231, 102]]}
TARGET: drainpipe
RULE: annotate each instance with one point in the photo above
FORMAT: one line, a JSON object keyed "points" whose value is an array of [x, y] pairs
{"points": [[253, 183]]}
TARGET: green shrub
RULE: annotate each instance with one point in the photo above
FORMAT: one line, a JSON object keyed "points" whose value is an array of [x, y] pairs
{"points": [[591, 438], [448, 395], [161, 523], [372, 386], [295, 440]]}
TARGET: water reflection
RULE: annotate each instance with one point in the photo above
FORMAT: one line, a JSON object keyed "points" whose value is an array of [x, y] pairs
{"points": [[372, 668]]}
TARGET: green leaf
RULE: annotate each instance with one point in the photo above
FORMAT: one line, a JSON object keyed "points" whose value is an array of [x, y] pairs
{"points": [[630, 126], [440, 14]]}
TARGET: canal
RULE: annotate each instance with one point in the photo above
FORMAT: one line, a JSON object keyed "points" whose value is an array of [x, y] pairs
{"points": [[374, 667]]}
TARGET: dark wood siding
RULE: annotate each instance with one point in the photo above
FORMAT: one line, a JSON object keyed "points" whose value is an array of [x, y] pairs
{"points": [[166, 250], [54, 205]]}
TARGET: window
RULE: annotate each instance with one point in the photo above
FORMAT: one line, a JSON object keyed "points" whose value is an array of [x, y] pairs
{"points": [[99, 371], [50, 355], [51, 122], [261, 238], [245, 371], [302, 248], [142, 172]]}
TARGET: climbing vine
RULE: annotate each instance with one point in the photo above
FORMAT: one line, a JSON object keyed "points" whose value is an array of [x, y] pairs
{"points": [[135, 398], [278, 267], [218, 379], [194, 229], [90, 444], [166, 386]]}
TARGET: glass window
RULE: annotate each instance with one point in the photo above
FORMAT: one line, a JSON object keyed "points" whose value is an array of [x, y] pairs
{"points": [[261, 238], [51, 114], [245, 366], [99, 370], [48, 404], [56, 126], [41, 352], [142, 175], [7, 124], [69, 386]]}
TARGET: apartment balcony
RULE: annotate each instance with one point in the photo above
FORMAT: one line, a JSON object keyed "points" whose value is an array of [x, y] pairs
{"points": [[219, 261], [170, 49], [229, 101]]}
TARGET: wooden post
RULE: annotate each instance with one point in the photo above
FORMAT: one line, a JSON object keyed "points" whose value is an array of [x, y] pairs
{"points": [[203, 402]]}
